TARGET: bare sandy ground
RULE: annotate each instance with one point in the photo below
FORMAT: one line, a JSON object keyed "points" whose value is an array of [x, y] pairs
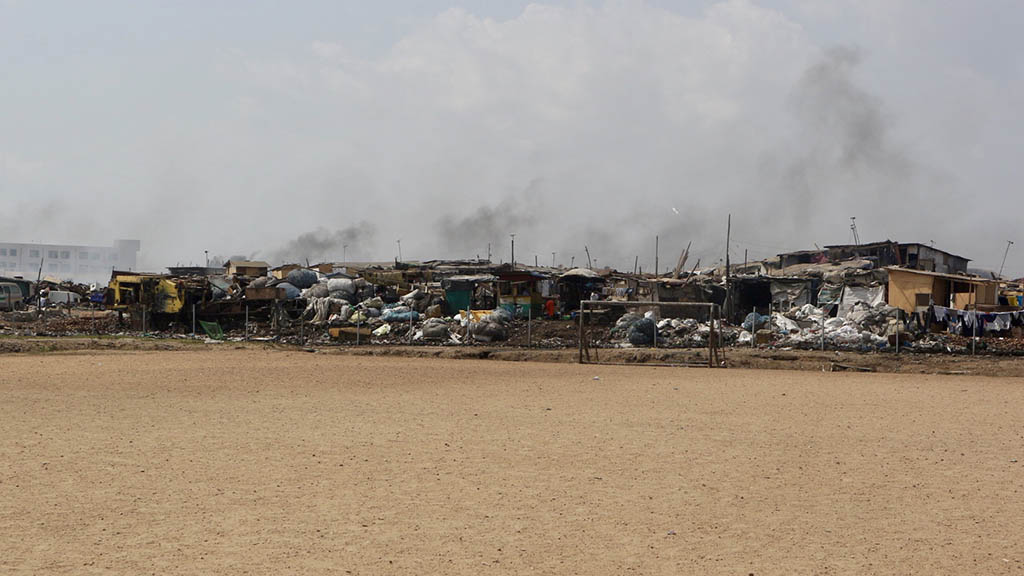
{"points": [[270, 462]]}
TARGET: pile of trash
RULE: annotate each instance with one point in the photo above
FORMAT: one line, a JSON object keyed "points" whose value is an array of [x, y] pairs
{"points": [[639, 330], [487, 325], [413, 317], [865, 327]]}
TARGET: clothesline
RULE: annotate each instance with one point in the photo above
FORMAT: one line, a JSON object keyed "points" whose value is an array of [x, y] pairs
{"points": [[987, 321]]}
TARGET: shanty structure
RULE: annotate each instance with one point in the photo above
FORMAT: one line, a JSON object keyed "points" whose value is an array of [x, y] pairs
{"points": [[802, 257], [764, 293], [461, 292], [912, 255], [523, 292], [690, 289], [281, 272], [916, 290], [195, 271], [576, 285], [247, 268]]}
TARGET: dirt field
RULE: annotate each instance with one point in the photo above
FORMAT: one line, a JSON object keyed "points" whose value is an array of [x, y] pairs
{"points": [[271, 462]]}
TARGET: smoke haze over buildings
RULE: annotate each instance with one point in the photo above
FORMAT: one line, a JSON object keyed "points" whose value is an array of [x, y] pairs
{"points": [[293, 132]]}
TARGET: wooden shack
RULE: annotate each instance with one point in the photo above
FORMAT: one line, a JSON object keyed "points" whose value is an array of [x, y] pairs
{"points": [[916, 290], [249, 269]]}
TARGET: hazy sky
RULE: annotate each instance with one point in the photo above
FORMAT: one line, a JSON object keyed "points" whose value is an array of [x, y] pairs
{"points": [[283, 130]]}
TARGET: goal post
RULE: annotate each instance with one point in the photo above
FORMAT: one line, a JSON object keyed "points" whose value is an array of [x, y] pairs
{"points": [[704, 315]]}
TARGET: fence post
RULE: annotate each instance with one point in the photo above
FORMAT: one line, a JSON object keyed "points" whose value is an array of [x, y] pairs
{"points": [[529, 323], [721, 339], [711, 337], [583, 306], [822, 328], [897, 332], [655, 330], [753, 327]]}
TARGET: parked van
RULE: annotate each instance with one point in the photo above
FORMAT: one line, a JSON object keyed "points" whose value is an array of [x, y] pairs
{"points": [[63, 297], [10, 296]]}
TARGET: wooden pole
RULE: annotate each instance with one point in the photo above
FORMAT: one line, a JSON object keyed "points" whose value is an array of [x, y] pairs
{"points": [[711, 337], [728, 234], [897, 332], [529, 323], [728, 285], [822, 328], [655, 331], [656, 240], [469, 316], [582, 308], [974, 328], [753, 327]]}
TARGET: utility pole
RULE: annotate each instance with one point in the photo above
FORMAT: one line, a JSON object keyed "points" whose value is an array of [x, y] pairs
{"points": [[535, 265], [853, 228], [728, 284], [553, 259], [1008, 244], [656, 257], [728, 234], [513, 250], [488, 251], [399, 242]]}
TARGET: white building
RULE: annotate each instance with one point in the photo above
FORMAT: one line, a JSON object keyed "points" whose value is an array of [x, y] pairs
{"points": [[66, 261]]}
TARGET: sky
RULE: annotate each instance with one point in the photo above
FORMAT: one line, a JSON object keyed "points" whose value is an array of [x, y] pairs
{"points": [[325, 130]]}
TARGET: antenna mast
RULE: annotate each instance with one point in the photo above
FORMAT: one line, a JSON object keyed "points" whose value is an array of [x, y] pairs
{"points": [[853, 227], [1008, 244]]}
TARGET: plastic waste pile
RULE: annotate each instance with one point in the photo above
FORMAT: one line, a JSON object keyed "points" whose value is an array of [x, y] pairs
{"points": [[864, 328], [638, 330], [492, 326]]}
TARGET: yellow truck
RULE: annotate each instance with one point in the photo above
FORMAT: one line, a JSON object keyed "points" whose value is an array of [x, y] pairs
{"points": [[158, 293]]}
